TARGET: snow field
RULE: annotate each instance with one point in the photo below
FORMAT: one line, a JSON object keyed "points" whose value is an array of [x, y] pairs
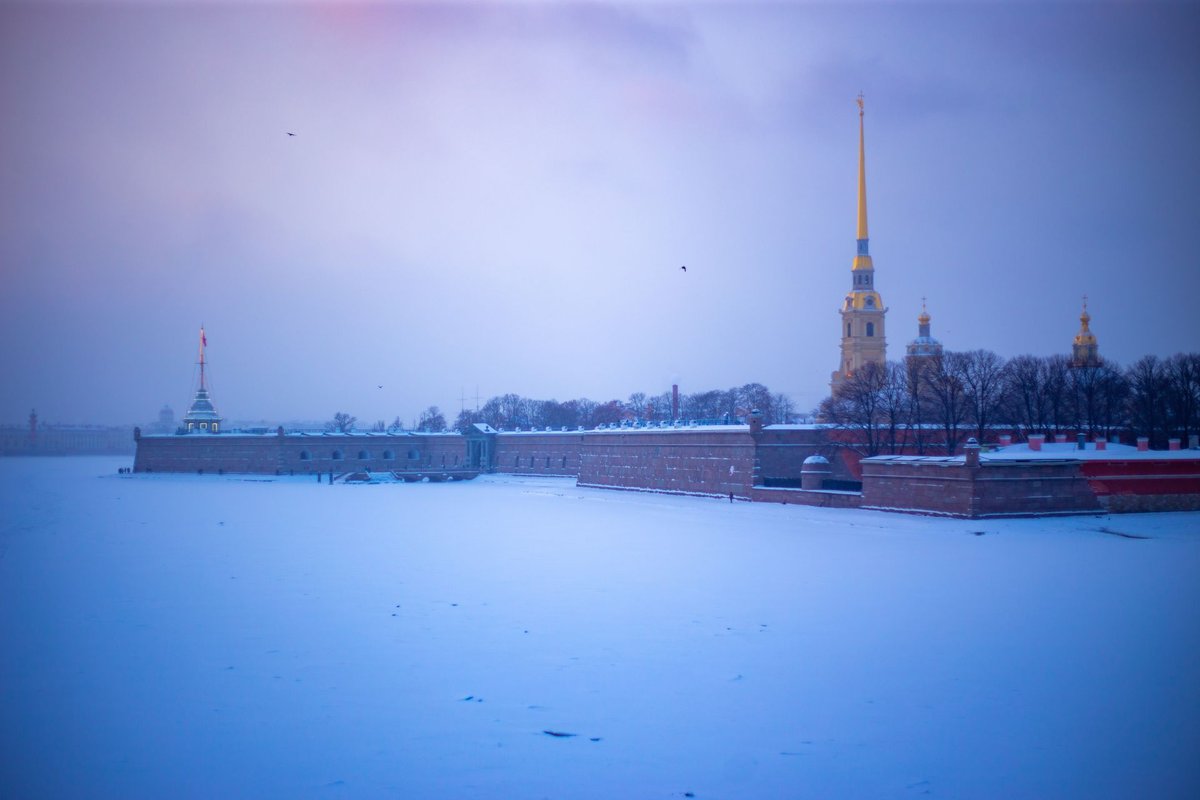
{"points": [[204, 636]]}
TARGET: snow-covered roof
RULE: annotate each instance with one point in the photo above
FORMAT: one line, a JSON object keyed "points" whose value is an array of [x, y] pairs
{"points": [[1070, 450], [1052, 451]]}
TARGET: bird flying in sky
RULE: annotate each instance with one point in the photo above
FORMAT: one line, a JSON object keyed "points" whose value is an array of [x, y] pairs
{"points": [[684, 269]]}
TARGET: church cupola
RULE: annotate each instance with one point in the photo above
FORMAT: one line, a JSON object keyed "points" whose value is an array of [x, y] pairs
{"points": [[202, 416], [862, 311], [924, 345], [1085, 352]]}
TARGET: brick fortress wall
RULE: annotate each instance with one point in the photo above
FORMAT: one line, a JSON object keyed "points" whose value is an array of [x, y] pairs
{"points": [[993, 488], [709, 461], [538, 453], [704, 461], [300, 453]]}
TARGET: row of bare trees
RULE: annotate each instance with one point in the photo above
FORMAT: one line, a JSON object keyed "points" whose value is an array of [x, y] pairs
{"points": [[932, 404], [511, 411]]}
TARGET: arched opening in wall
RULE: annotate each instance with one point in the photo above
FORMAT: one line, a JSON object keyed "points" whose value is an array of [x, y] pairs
{"points": [[337, 455], [516, 461], [388, 455], [870, 302], [214, 427], [564, 462], [547, 461], [847, 328], [531, 462], [363, 455], [305, 455], [456, 461], [443, 460], [414, 454], [870, 329]]}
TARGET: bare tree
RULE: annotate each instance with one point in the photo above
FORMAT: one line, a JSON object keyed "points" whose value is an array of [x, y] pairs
{"points": [[983, 381], [341, 423], [1025, 396], [920, 404], [1183, 393], [1149, 386], [703, 405], [637, 405], [784, 410], [755, 396], [1060, 406], [949, 405], [465, 420], [856, 406], [431, 419], [894, 411], [1112, 399]]}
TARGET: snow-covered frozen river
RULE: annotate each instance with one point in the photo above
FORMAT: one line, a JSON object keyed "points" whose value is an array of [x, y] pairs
{"points": [[203, 636]]}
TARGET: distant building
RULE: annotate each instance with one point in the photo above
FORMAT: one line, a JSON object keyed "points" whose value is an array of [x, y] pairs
{"points": [[1085, 352], [165, 422], [863, 310]]}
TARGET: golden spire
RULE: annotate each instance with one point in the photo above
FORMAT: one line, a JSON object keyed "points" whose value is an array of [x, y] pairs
{"points": [[924, 318], [862, 175], [1085, 335]]}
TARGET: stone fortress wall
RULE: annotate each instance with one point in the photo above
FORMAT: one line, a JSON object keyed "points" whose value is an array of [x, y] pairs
{"points": [[800, 465]]}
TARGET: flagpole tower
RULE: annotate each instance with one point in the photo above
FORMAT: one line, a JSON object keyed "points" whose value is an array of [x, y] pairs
{"points": [[202, 416], [862, 311]]}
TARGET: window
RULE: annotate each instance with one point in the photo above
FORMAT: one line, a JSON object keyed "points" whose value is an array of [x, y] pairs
{"points": [[414, 454], [337, 455], [516, 461], [305, 455], [870, 302], [214, 427], [203, 426], [363, 455], [564, 462], [547, 461], [847, 328], [388, 455], [870, 329]]}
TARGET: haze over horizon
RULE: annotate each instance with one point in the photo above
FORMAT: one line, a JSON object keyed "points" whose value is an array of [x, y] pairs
{"points": [[500, 197]]}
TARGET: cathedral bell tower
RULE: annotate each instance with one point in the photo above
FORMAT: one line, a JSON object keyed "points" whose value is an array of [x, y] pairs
{"points": [[1085, 351], [862, 311]]}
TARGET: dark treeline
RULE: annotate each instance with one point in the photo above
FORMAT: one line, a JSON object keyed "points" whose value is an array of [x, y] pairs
{"points": [[511, 411], [933, 404]]}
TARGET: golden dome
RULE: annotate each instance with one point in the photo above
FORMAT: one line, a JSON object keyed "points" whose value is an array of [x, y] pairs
{"points": [[1085, 336]]}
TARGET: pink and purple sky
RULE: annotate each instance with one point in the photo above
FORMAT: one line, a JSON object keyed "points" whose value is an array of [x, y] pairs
{"points": [[501, 195]]}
